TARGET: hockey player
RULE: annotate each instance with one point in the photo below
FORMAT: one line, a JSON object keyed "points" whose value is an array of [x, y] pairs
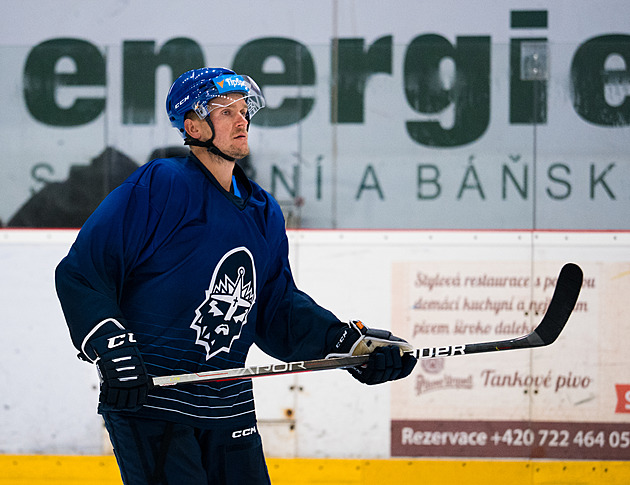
{"points": [[181, 269]]}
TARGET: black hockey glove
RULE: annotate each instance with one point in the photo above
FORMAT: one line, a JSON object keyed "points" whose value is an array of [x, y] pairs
{"points": [[124, 378], [388, 358]]}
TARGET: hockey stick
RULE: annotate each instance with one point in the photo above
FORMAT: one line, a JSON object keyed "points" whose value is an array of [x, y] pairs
{"points": [[563, 301]]}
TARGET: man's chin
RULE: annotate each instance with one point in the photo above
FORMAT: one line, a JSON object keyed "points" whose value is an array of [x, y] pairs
{"points": [[240, 153], [236, 152]]}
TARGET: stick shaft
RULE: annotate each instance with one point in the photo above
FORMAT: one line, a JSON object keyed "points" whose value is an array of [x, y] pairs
{"points": [[560, 307], [325, 364]]}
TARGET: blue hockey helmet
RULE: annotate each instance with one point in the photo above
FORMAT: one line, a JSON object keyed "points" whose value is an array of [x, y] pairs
{"points": [[193, 90]]}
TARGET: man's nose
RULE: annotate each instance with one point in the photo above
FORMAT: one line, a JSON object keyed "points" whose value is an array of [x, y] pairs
{"points": [[242, 118]]}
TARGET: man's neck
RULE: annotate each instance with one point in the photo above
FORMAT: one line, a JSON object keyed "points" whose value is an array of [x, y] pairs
{"points": [[219, 167]]}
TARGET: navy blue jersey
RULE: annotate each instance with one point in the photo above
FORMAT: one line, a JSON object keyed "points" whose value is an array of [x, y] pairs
{"points": [[198, 274]]}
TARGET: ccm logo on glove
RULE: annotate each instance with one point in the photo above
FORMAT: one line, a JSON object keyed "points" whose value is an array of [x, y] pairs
{"points": [[341, 339], [124, 379], [122, 339]]}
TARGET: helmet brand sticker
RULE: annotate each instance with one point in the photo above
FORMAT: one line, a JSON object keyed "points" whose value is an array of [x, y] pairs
{"points": [[231, 84]]}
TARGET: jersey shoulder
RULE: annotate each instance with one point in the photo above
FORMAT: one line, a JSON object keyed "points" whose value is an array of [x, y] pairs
{"points": [[268, 204], [160, 170]]}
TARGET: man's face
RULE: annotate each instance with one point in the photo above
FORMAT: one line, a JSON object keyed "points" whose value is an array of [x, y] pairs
{"points": [[228, 117]]}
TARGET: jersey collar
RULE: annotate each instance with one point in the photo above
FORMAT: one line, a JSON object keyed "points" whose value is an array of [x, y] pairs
{"points": [[238, 176]]}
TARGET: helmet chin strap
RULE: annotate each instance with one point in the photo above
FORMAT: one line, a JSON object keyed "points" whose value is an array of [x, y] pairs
{"points": [[208, 144], [210, 147]]}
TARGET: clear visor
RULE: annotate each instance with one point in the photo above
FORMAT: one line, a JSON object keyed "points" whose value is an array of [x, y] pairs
{"points": [[243, 85]]}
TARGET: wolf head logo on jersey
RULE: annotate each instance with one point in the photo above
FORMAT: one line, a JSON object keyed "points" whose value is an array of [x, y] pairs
{"points": [[220, 318]]}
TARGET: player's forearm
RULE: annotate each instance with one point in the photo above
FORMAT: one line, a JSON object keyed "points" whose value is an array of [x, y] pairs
{"points": [[88, 306]]}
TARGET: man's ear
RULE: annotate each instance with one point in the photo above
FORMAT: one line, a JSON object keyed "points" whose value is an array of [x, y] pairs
{"points": [[194, 128]]}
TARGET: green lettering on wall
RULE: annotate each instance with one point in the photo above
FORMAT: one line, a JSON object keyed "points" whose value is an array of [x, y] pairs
{"points": [[521, 188], [354, 67], [469, 91], [140, 62], [467, 184], [555, 177], [278, 176], [590, 78], [42, 81], [432, 181], [298, 69], [528, 98], [369, 182], [600, 179]]}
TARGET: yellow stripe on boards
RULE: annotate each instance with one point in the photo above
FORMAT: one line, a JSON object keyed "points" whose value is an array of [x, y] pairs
{"points": [[50, 469], [102, 470], [446, 472]]}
